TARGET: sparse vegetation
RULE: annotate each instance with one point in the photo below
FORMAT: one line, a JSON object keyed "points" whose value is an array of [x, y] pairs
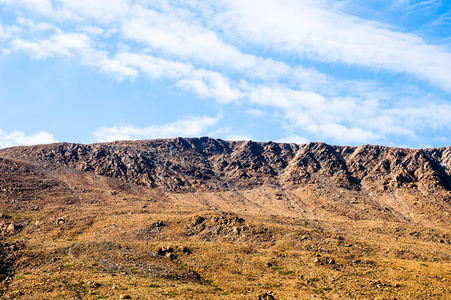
{"points": [[72, 238]]}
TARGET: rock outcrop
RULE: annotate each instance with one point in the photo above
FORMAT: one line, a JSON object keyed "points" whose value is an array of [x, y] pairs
{"points": [[205, 164]]}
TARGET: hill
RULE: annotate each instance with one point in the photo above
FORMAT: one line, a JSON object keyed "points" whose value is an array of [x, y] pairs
{"points": [[212, 219]]}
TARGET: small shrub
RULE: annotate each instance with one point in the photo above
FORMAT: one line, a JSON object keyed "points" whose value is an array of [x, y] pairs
{"points": [[285, 273]]}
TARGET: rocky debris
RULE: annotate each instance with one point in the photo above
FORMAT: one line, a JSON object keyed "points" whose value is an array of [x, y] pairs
{"points": [[197, 220], [378, 284], [151, 231], [227, 227], [61, 220], [11, 228], [158, 224], [170, 253], [117, 258], [266, 296], [27, 186], [9, 254], [4, 216], [184, 250], [93, 285], [164, 250], [124, 296], [318, 261], [321, 261]]}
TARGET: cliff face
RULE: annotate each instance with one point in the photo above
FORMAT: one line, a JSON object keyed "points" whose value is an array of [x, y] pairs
{"points": [[204, 164]]}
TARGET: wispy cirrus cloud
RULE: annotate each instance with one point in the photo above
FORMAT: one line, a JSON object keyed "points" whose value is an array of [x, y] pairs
{"points": [[202, 82], [80, 45], [294, 60], [415, 4], [190, 40], [310, 29]]}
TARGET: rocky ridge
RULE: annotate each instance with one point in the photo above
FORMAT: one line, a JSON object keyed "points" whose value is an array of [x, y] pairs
{"points": [[205, 164]]}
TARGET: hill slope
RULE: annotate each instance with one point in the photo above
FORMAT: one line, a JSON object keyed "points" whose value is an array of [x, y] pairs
{"points": [[386, 182], [242, 219]]}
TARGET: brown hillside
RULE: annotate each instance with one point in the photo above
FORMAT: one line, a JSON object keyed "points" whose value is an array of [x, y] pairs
{"points": [[238, 220]]}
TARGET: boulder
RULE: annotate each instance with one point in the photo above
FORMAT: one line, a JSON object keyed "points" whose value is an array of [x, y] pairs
{"points": [[11, 228]]}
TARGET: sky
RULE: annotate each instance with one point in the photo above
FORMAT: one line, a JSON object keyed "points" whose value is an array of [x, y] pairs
{"points": [[341, 72]]}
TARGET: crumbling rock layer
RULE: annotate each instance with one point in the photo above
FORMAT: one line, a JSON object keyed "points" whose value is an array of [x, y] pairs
{"points": [[205, 164]]}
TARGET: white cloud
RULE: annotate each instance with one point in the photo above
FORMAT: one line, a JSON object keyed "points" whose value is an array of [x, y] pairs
{"points": [[74, 45], [19, 138], [204, 83], [249, 53], [338, 119], [114, 67], [155, 67], [230, 134], [256, 112], [92, 30], [187, 127], [429, 114], [99, 10], [169, 33], [3, 33], [30, 26], [179, 33], [60, 44], [43, 7], [347, 135], [8, 31], [311, 29], [411, 5], [349, 119], [293, 138], [208, 84]]}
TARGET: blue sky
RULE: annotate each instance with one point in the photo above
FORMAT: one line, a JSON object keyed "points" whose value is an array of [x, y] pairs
{"points": [[340, 72]]}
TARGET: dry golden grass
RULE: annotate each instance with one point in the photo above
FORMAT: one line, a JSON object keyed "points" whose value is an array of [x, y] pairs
{"points": [[108, 248]]}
